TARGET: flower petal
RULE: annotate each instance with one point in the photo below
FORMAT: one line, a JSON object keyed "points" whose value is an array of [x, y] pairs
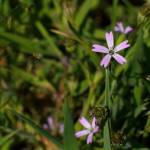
{"points": [[93, 122], [117, 28], [82, 133], [51, 123], [105, 61], [110, 40], [61, 128], [121, 46], [90, 138], [96, 129], [45, 126], [120, 25], [85, 123], [128, 29], [120, 59], [99, 48]]}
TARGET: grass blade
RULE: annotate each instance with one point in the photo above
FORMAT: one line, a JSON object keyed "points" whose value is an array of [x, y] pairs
{"points": [[54, 49], [26, 45], [39, 129], [115, 3], [7, 137], [83, 11], [107, 127], [70, 142], [28, 77]]}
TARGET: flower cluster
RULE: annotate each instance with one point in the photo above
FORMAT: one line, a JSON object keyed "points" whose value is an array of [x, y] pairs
{"points": [[111, 51]]}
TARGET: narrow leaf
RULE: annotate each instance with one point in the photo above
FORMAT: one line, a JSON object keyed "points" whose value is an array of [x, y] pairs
{"points": [[26, 45], [83, 11], [70, 142], [107, 145], [54, 49], [28, 77], [7, 137], [107, 127], [39, 129]]}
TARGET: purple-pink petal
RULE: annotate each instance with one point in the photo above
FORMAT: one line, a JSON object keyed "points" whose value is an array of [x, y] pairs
{"points": [[96, 129], [110, 39], [121, 46], [45, 126], [61, 128], [90, 138], [117, 28], [120, 25], [99, 48], [51, 123], [85, 123], [120, 59], [93, 122], [128, 29], [82, 133], [105, 61]]}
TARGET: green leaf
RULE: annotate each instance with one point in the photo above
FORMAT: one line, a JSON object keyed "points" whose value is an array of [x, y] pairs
{"points": [[107, 126], [114, 12], [26, 45], [70, 142], [83, 11], [39, 129], [107, 145], [5, 139], [139, 109], [138, 91], [99, 34], [28, 77], [54, 49], [140, 149]]}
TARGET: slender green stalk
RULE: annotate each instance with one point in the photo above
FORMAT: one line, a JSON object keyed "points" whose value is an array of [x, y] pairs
{"points": [[107, 136], [114, 12]]}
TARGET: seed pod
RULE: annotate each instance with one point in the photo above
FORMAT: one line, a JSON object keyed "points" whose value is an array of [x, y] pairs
{"points": [[101, 113], [117, 138]]}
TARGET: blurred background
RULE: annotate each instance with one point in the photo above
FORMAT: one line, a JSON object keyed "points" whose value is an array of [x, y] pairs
{"points": [[46, 58]]}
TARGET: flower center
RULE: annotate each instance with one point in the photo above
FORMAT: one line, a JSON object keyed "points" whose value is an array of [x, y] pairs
{"points": [[91, 129], [111, 51]]}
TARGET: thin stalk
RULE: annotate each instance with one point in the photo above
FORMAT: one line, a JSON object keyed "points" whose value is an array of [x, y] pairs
{"points": [[114, 12], [107, 127]]}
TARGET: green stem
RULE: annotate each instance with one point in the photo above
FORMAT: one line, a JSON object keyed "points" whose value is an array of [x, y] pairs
{"points": [[107, 136], [114, 16]]}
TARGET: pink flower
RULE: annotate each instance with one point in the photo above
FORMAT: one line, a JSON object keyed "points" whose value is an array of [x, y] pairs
{"points": [[52, 126], [111, 51], [90, 129], [120, 28]]}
